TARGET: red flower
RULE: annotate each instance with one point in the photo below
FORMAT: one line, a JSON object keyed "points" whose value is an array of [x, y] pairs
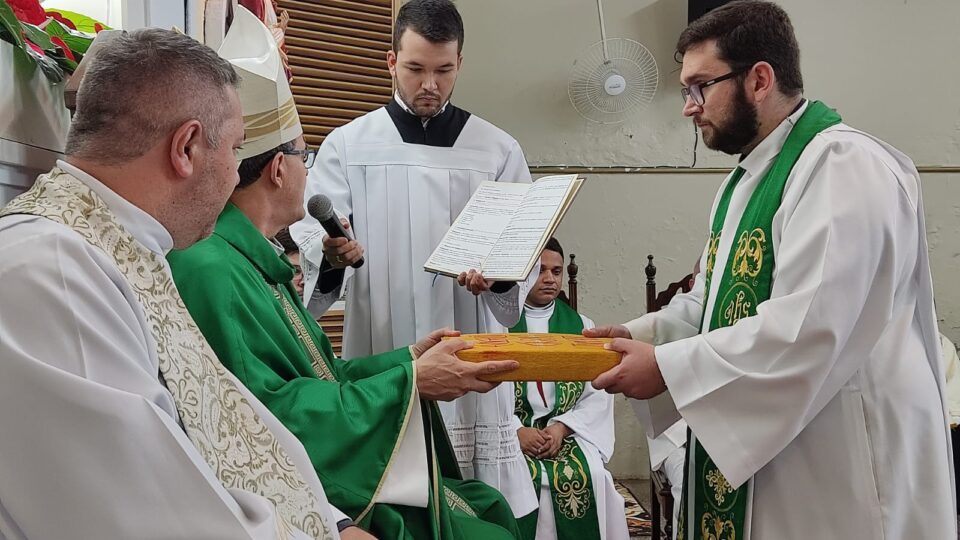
{"points": [[28, 11], [66, 50], [61, 19], [35, 48]]}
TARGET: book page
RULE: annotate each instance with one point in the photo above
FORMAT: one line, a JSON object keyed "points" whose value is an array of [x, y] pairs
{"points": [[476, 230], [510, 259]]}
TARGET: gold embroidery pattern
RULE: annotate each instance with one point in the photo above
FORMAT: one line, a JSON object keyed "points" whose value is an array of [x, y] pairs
{"points": [[218, 420], [519, 408], [713, 244], [567, 395], [718, 483], [456, 502], [748, 258], [716, 528], [738, 303], [570, 490], [316, 359]]}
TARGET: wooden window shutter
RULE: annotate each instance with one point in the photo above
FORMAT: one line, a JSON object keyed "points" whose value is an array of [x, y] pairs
{"points": [[337, 51]]}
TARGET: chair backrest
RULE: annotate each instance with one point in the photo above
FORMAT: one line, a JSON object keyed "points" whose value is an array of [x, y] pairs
{"points": [[572, 270], [655, 300]]}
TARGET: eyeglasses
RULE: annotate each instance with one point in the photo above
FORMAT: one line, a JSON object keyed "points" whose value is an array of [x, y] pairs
{"points": [[309, 155], [695, 91]]}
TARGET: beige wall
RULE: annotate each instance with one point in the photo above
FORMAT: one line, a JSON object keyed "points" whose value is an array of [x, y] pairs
{"points": [[886, 65]]}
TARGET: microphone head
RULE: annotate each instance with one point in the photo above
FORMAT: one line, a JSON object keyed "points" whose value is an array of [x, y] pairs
{"points": [[320, 207]]}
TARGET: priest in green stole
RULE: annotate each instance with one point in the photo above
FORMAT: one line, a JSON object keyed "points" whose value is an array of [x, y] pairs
{"points": [[811, 379], [371, 436], [565, 429]]}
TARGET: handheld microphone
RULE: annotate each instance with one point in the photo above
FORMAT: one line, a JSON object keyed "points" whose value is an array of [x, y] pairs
{"points": [[321, 209]]}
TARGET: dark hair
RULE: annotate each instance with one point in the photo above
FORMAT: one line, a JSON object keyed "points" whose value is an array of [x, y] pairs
{"points": [[747, 32], [436, 20], [286, 241], [554, 245], [251, 167]]}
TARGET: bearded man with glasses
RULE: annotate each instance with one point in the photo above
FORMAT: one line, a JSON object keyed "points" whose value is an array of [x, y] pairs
{"points": [[808, 365]]}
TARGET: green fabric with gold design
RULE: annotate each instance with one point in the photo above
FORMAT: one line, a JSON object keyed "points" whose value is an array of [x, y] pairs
{"points": [[571, 487], [720, 511], [349, 416]]}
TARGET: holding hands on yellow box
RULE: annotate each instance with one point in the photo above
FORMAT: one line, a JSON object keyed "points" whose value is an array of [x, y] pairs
{"points": [[542, 357], [637, 376]]}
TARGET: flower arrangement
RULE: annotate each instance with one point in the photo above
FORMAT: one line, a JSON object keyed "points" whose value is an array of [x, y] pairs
{"points": [[56, 40]]}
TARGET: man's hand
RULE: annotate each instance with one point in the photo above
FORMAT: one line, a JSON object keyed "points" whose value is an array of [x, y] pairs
{"points": [[435, 337], [532, 441], [612, 331], [555, 434], [341, 252], [442, 376], [637, 376], [473, 281], [356, 533]]}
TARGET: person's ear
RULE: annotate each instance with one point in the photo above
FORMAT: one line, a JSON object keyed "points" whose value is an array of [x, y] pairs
{"points": [[761, 82], [277, 173], [185, 145], [392, 63]]}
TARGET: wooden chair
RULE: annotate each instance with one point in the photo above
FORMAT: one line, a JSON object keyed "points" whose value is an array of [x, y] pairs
{"points": [[571, 297], [332, 324], [661, 499]]}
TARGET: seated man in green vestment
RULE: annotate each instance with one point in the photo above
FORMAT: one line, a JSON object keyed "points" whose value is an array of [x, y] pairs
{"points": [[565, 429], [372, 434]]}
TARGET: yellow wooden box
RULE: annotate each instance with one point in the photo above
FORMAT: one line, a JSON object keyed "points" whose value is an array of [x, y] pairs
{"points": [[543, 357]]}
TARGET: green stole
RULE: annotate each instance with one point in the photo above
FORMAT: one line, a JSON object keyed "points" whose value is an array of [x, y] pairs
{"points": [[719, 511], [574, 505]]}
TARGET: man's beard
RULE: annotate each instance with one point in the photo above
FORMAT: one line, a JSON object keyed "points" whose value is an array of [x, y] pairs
{"points": [[740, 129], [423, 111]]}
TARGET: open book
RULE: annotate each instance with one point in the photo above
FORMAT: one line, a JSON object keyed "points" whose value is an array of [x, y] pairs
{"points": [[504, 227]]}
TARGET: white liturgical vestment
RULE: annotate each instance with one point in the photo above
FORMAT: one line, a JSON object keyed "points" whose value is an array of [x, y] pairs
{"points": [[403, 182], [830, 400], [91, 443]]}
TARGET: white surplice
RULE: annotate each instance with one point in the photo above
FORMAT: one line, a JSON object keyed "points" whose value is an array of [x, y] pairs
{"points": [[403, 198], [591, 421], [831, 398], [91, 443]]}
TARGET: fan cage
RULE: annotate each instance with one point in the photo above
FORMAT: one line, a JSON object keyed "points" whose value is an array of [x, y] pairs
{"points": [[624, 57]]}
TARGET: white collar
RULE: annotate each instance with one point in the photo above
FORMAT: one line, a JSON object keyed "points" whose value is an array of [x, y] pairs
{"points": [[544, 312], [424, 121], [144, 227], [276, 246], [769, 148]]}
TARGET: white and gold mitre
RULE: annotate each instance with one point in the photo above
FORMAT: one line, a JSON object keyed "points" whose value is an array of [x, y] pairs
{"points": [[269, 114]]}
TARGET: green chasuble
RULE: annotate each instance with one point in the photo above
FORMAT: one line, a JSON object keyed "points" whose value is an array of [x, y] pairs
{"points": [[350, 416], [568, 475], [720, 512]]}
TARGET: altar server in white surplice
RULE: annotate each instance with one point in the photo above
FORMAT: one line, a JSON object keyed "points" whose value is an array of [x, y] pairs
{"points": [[566, 429], [402, 174], [118, 421]]}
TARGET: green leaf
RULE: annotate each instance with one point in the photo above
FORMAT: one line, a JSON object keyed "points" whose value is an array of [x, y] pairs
{"points": [[10, 25], [49, 66], [78, 41], [82, 22], [61, 59], [37, 36]]}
